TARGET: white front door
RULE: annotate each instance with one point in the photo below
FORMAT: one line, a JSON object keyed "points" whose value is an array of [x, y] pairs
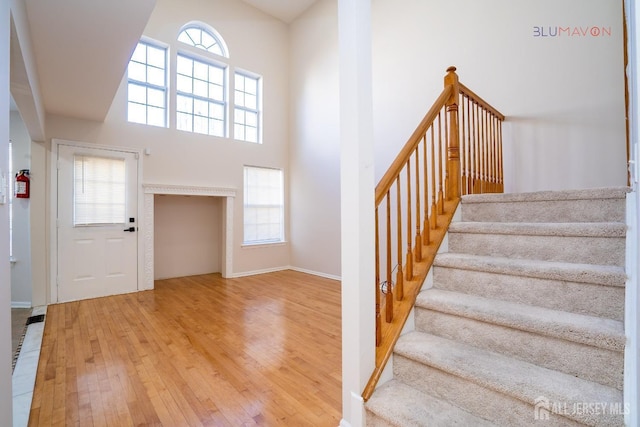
{"points": [[97, 236]]}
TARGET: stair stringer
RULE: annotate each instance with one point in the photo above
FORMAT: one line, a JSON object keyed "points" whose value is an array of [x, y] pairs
{"points": [[410, 325]]}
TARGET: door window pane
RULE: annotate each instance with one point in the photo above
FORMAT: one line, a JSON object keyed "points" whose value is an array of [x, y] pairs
{"points": [[99, 192]]}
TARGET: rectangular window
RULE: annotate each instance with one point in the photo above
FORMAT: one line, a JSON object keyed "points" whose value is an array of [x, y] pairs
{"points": [[263, 205], [201, 97], [99, 190], [246, 117], [147, 85]]}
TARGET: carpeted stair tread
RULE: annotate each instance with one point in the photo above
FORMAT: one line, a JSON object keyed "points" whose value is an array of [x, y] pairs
{"points": [[543, 196], [571, 229], [590, 330], [603, 204], [521, 380], [401, 405], [607, 275]]}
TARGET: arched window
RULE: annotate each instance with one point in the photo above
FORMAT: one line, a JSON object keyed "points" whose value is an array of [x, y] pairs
{"points": [[212, 97], [197, 35]]}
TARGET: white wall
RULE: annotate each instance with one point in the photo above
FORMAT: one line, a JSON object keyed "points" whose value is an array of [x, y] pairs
{"points": [[5, 276], [257, 43], [315, 148], [25, 89], [39, 224], [563, 96], [632, 301], [187, 236], [21, 265]]}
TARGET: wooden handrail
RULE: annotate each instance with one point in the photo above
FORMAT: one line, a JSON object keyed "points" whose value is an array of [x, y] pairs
{"points": [[389, 177], [456, 149], [484, 104]]}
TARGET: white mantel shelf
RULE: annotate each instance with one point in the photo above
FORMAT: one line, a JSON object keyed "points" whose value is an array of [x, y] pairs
{"points": [[188, 190]]}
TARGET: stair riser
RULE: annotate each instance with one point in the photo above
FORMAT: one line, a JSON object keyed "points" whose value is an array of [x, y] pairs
{"points": [[474, 398], [582, 298], [602, 210], [585, 250], [584, 361]]}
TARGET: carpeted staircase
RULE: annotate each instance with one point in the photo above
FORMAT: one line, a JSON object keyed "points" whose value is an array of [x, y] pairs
{"points": [[524, 322]]}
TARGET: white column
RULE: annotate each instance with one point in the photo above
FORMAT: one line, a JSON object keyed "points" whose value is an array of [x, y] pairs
{"points": [[357, 206], [5, 275], [632, 297]]}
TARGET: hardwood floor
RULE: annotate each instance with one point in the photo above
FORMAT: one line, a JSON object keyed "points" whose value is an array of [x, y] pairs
{"points": [[200, 350]]}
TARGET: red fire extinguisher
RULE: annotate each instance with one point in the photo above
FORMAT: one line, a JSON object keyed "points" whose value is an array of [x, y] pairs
{"points": [[22, 184]]}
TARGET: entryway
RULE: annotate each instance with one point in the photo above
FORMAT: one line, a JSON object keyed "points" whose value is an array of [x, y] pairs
{"points": [[96, 230]]}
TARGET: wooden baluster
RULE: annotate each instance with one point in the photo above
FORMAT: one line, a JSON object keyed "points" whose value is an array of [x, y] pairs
{"points": [[487, 131], [441, 168], [445, 156], [500, 167], [378, 321], [476, 116], [417, 251], [426, 236], [491, 154], [472, 151], [389, 294], [483, 170], [469, 158], [486, 152], [400, 272], [494, 150], [434, 206], [480, 150], [409, 272], [463, 154], [453, 153], [488, 145]]}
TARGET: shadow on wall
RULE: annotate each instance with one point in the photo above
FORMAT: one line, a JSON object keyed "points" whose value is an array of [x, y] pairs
{"points": [[545, 152]]}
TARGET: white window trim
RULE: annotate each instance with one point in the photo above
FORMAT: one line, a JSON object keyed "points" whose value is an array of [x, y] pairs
{"points": [[283, 236], [258, 109], [225, 103], [159, 45], [212, 31]]}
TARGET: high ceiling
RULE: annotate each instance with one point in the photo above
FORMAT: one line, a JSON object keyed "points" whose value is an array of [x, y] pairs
{"points": [[82, 48], [285, 10]]}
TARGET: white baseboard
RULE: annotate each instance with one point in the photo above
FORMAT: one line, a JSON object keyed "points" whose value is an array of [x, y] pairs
{"points": [[316, 273], [255, 272], [288, 267], [20, 304]]}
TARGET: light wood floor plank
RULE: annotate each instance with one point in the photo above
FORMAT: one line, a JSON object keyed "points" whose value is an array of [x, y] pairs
{"points": [[196, 351]]}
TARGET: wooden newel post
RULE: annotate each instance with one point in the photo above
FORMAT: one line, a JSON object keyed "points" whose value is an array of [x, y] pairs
{"points": [[453, 151]]}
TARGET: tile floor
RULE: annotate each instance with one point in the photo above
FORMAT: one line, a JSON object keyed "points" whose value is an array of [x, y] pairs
{"points": [[24, 374], [19, 318]]}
